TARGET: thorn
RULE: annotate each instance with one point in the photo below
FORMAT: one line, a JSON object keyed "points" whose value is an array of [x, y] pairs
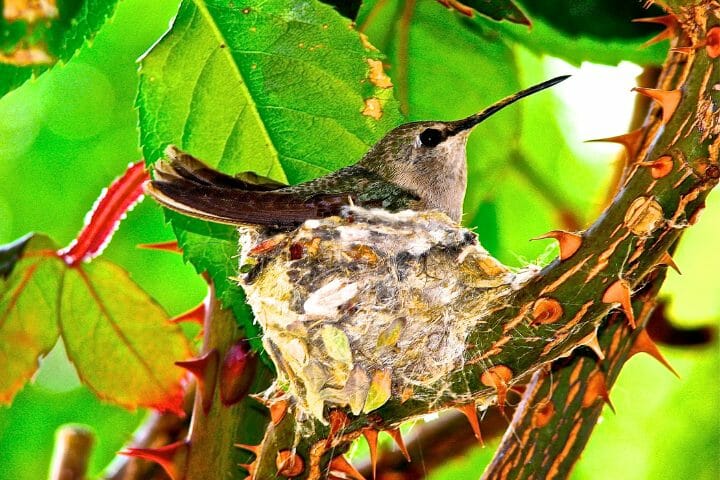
{"points": [[597, 388], [171, 457], [204, 369], [644, 344], [498, 377], [340, 468], [591, 341], [237, 372], [171, 246], [659, 168], [667, 99], [668, 21], [569, 242], [338, 421], [371, 435], [194, 315], [619, 292], [397, 436], [546, 310], [254, 449], [630, 141], [470, 411], [712, 42], [666, 259], [289, 464], [250, 467], [278, 409]]}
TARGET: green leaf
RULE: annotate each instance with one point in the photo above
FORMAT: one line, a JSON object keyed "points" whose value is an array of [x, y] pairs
{"points": [[543, 39], [600, 19], [36, 36], [28, 328], [277, 87], [120, 340]]}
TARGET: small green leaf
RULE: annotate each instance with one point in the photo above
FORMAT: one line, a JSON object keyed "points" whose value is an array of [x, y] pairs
{"points": [[120, 340], [36, 35], [28, 311]]}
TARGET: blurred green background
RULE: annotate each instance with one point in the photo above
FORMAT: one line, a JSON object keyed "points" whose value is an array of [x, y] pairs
{"points": [[66, 135]]}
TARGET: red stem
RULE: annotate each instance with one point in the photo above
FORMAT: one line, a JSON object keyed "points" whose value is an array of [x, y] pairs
{"points": [[109, 209]]}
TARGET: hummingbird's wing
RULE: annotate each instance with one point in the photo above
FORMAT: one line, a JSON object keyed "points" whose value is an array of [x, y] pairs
{"points": [[187, 185]]}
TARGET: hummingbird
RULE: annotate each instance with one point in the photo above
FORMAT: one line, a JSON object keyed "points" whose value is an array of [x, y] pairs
{"points": [[418, 166]]}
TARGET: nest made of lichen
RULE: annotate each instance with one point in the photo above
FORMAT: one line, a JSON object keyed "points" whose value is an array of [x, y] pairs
{"points": [[363, 306]]}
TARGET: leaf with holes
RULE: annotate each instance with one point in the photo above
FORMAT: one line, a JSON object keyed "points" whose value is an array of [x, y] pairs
{"points": [[29, 287], [120, 340], [286, 89], [35, 35]]}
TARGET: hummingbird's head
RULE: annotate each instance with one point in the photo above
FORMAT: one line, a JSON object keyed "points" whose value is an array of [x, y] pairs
{"points": [[429, 157]]}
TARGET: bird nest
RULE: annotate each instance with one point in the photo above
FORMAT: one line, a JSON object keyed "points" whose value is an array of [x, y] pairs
{"points": [[368, 305]]}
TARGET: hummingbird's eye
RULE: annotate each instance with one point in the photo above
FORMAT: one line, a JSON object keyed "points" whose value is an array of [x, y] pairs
{"points": [[431, 137]]}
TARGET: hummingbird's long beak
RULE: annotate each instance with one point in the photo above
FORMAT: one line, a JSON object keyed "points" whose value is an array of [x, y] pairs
{"points": [[469, 122]]}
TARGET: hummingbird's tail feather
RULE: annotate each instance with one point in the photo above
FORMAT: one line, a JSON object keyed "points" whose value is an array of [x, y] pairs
{"points": [[188, 186]]}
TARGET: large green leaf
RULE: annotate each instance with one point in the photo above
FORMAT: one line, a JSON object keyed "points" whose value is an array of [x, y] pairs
{"points": [[278, 87], [36, 35], [28, 313]]}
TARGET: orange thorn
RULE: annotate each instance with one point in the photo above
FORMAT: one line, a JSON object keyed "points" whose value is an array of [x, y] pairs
{"points": [[546, 310], [667, 99], [237, 372], [591, 341], [289, 464], [643, 343], [498, 377], [340, 468], [250, 467], [254, 449], [397, 436], [338, 421], [712, 42], [204, 369], [371, 435], [669, 21], [195, 315], [666, 259], [619, 292], [171, 457], [543, 414], [597, 388], [569, 242], [171, 246], [630, 141], [278, 409], [470, 411], [659, 168]]}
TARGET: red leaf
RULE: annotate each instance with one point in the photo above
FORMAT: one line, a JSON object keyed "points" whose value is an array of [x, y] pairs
{"points": [[120, 340], [109, 209], [28, 300]]}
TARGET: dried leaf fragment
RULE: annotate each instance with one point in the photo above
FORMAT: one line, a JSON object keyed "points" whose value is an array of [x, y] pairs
{"points": [[377, 75], [373, 108]]}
